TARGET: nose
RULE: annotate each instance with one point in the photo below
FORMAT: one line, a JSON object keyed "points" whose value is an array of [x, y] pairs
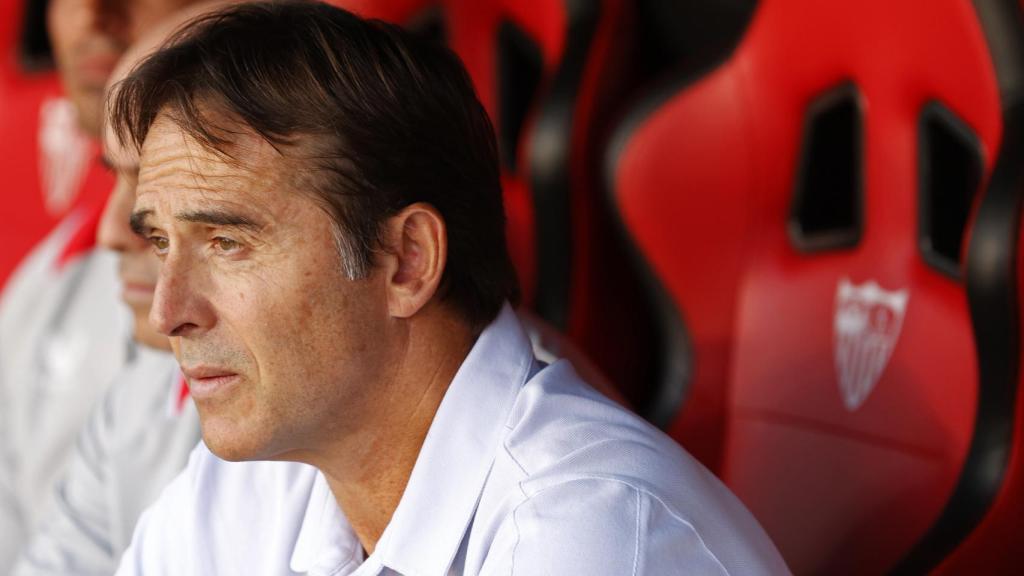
{"points": [[180, 307], [112, 17], [114, 231]]}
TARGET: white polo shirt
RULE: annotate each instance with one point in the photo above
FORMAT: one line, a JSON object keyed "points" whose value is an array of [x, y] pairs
{"points": [[525, 470]]}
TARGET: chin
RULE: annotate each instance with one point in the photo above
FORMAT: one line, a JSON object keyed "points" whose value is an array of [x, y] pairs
{"points": [[230, 441], [89, 107], [226, 449]]}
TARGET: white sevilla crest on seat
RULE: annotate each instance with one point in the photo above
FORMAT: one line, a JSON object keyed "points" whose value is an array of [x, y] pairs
{"points": [[867, 323]]}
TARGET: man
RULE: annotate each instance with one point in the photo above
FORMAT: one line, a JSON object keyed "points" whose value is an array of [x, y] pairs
{"points": [[139, 436], [63, 331], [142, 431], [323, 194]]}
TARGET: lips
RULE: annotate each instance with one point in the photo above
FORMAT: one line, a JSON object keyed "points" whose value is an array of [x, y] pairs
{"points": [[137, 292], [207, 383], [96, 69], [139, 272], [140, 285]]}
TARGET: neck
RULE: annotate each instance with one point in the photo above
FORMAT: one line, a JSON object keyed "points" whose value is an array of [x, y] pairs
{"points": [[368, 475]]}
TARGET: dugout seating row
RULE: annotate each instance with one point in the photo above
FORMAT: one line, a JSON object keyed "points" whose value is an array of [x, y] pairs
{"points": [[829, 217], [787, 230]]}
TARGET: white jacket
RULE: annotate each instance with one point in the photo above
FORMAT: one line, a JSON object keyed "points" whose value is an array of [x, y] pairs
{"points": [[64, 334]]}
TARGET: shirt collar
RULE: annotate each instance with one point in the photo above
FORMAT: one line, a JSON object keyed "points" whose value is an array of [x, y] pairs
{"points": [[325, 541], [448, 477]]}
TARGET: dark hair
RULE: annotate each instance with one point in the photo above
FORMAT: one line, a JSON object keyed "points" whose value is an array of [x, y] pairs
{"points": [[387, 119]]}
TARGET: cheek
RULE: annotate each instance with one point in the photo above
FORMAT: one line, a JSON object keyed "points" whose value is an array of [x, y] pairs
{"points": [[63, 22], [300, 292], [147, 14], [302, 323], [271, 322], [150, 264]]}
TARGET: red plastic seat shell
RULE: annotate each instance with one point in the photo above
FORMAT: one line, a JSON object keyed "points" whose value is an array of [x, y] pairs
{"points": [[705, 185], [594, 319], [993, 547]]}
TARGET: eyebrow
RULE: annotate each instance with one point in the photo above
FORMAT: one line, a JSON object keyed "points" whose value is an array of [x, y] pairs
{"points": [[139, 220], [219, 218]]}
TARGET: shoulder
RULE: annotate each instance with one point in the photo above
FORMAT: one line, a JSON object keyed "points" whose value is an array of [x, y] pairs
{"points": [[561, 428], [598, 526], [47, 295], [123, 456], [37, 272], [598, 482], [139, 433], [44, 256], [603, 526], [140, 391]]}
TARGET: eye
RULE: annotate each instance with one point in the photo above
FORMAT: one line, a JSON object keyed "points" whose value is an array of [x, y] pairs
{"points": [[226, 244], [160, 244]]}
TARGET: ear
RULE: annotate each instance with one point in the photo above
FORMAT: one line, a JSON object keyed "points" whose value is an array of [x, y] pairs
{"points": [[417, 249]]}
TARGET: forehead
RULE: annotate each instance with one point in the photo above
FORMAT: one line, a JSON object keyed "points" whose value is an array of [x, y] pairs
{"points": [[174, 165]]}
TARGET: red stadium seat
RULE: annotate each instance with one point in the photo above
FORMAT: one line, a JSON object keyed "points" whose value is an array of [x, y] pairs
{"points": [[547, 72], [832, 216], [401, 12]]}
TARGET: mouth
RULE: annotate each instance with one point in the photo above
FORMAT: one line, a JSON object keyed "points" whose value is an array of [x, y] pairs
{"points": [[133, 292], [94, 70], [207, 382]]}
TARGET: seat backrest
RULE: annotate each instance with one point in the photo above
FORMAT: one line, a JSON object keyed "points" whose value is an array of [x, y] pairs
{"points": [[536, 67], [805, 206], [546, 72], [978, 531], [398, 11], [541, 69]]}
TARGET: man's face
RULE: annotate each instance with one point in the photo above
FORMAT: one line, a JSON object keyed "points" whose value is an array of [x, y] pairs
{"points": [[88, 38], [138, 266], [280, 349]]}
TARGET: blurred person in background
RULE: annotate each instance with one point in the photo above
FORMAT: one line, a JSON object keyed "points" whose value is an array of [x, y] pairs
{"points": [[140, 434], [64, 333]]}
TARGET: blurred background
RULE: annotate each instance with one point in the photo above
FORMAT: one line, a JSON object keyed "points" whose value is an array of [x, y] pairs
{"points": [[786, 231]]}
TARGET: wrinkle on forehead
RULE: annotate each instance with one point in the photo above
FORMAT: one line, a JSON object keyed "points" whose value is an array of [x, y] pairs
{"points": [[171, 158], [179, 176], [212, 130]]}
